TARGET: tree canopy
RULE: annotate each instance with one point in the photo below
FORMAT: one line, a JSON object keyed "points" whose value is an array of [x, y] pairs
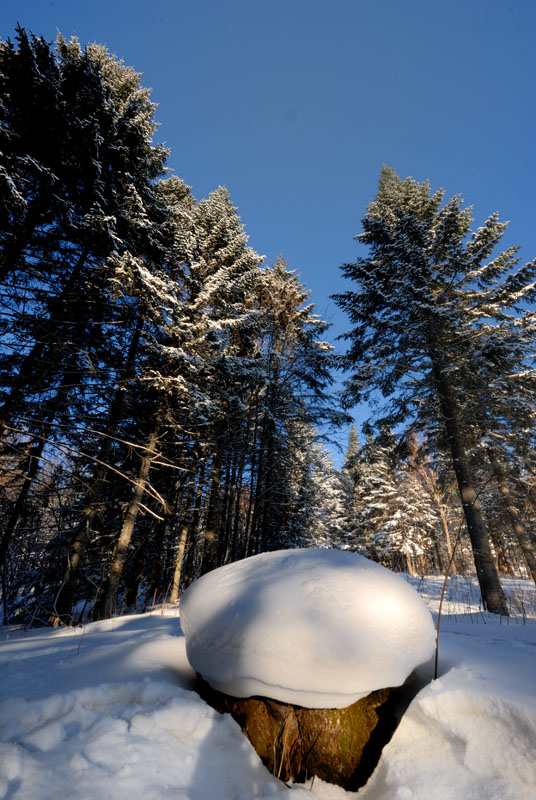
{"points": [[166, 397]]}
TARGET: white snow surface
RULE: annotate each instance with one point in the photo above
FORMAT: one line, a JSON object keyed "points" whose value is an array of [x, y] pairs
{"points": [[107, 710], [317, 628]]}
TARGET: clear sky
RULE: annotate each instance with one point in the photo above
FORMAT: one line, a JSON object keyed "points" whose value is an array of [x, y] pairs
{"points": [[294, 105]]}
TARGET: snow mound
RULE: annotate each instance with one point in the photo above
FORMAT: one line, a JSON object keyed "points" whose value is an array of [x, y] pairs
{"points": [[464, 739], [316, 628], [146, 739]]}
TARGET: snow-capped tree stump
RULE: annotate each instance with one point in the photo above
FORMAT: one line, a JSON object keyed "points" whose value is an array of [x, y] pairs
{"points": [[295, 743], [298, 646]]}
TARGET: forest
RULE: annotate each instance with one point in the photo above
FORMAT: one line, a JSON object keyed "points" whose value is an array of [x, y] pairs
{"points": [[168, 401]]}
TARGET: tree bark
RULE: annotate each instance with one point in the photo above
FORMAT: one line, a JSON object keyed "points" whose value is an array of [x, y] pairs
{"points": [[212, 524], [123, 541], [295, 743], [513, 514], [490, 587], [446, 531], [135, 573], [179, 563]]}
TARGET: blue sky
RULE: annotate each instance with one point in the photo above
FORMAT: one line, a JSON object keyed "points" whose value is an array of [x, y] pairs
{"points": [[294, 105]]}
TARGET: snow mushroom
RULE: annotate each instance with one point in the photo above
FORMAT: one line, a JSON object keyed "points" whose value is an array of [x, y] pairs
{"points": [[315, 628]]}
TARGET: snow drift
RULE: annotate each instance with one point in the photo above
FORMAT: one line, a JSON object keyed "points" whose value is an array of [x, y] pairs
{"points": [[106, 710]]}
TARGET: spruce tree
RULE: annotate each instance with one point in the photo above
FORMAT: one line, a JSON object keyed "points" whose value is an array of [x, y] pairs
{"points": [[432, 319], [79, 168], [396, 514], [350, 487]]}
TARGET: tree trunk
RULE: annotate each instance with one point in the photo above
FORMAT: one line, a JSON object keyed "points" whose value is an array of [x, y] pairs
{"points": [[255, 457], [190, 569], [212, 524], [429, 480], [78, 545], [295, 743], [225, 519], [154, 580], [135, 572], [123, 541], [52, 407], [237, 546], [409, 565], [490, 587], [446, 531], [13, 519], [177, 572], [513, 514]]}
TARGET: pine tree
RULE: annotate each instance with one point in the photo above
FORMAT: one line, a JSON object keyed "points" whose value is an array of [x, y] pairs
{"points": [[432, 322]]}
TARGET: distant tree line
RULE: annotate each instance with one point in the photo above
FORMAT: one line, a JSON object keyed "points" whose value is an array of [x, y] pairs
{"points": [[400, 506], [163, 393]]}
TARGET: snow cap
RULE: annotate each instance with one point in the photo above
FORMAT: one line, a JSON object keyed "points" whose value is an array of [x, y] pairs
{"points": [[316, 628]]}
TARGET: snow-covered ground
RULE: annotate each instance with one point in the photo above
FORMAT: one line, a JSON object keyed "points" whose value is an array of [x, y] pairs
{"points": [[107, 710]]}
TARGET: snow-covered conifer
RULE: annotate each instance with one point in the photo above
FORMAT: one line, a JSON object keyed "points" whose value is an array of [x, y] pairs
{"points": [[433, 317]]}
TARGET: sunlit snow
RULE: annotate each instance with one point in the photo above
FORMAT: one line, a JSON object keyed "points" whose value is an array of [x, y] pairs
{"points": [[107, 710]]}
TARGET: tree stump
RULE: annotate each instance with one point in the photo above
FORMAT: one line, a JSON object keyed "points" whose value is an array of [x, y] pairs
{"points": [[295, 743]]}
